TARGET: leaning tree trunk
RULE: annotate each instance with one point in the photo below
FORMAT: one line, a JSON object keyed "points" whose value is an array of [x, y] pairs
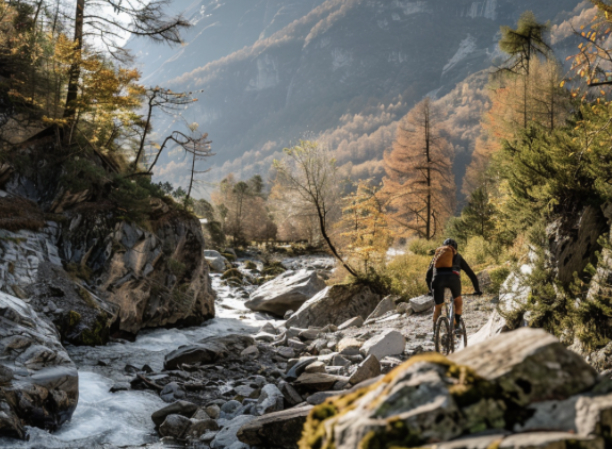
{"points": [[75, 69]]}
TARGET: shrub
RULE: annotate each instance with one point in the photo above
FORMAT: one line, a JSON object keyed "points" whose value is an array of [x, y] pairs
{"points": [[422, 247], [176, 267], [407, 275], [498, 277]]}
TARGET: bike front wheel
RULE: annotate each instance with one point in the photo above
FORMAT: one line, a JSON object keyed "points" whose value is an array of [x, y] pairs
{"points": [[443, 339]]}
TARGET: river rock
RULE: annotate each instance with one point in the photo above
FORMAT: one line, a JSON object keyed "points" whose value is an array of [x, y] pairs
{"points": [[286, 352], [404, 308], [315, 367], [174, 426], [280, 430], [388, 342], [286, 292], [213, 411], [183, 408], [172, 392], [227, 436], [335, 305], [292, 397], [386, 305], [39, 382], [529, 364], [367, 369], [210, 350], [421, 303], [251, 351], [217, 262], [353, 322], [298, 368], [199, 427], [270, 400], [315, 382]]}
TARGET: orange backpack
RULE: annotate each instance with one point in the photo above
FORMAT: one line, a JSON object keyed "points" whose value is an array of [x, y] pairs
{"points": [[444, 257]]}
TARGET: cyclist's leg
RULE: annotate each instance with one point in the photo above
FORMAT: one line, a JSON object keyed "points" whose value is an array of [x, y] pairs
{"points": [[455, 286], [437, 288]]}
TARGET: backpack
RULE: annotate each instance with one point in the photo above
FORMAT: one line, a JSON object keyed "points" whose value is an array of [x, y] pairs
{"points": [[444, 256]]}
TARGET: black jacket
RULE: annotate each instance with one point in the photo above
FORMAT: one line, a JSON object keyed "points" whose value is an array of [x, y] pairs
{"points": [[459, 264]]}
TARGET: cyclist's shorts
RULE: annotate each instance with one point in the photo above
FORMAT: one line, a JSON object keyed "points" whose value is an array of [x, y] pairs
{"points": [[443, 281]]}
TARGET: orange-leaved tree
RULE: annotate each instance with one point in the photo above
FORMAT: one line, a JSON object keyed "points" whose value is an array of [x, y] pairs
{"points": [[419, 186]]}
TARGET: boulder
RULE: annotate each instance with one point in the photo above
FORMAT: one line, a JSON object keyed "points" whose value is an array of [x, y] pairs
{"points": [[404, 308], [335, 305], [209, 350], [174, 426], [280, 430], [367, 369], [183, 408], [550, 440], [270, 400], [386, 305], [286, 292], [315, 382], [421, 303], [315, 367], [529, 364], [292, 397], [217, 262], [39, 383], [227, 436], [388, 342], [353, 322]]}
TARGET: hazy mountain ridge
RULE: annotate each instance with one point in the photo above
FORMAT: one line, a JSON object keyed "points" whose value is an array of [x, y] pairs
{"points": [[340, 64]]}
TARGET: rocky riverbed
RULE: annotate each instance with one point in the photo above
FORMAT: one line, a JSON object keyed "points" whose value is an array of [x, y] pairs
{"points": [[242, 367]]}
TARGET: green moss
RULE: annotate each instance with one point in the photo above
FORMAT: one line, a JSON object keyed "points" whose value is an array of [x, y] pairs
{"points": [[250, 265], [273, 269], [176, 267], [79, 271], [98, 334], [86, 296], [229, 256], [74, 318], [233, 273]]}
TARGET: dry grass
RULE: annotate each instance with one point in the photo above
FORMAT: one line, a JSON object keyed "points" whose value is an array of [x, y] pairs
{"points": [[19, 213]]}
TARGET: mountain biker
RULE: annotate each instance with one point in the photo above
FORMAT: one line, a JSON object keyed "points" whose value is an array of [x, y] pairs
{"points": [[445, 272]]}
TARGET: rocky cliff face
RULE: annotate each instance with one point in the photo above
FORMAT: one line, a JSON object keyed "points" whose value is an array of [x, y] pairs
{"points": [[91, 271]]}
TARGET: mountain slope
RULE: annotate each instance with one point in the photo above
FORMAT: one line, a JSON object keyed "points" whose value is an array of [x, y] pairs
{"points": [[316, 67]]}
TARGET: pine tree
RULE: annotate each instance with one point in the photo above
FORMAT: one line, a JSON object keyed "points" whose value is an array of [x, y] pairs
{"points": [[419, 186]]}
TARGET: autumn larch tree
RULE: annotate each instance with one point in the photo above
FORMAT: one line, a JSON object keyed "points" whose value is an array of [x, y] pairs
{"points": [[419, 186]]}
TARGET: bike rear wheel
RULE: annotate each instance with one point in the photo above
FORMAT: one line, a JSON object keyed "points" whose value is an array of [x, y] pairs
{"points": [[443, 339], [461, 337]]}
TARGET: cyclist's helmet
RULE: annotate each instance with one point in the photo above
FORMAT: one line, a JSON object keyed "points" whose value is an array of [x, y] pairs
{"points": [[450, 242]]}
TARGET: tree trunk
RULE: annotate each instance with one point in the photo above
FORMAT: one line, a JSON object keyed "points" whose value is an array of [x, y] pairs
{"points": [[330, 245], [144, 134], [428, 155], [75, 68]]}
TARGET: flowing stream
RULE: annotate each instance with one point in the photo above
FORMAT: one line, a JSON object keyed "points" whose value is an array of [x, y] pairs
{"points": [[105, 420]]}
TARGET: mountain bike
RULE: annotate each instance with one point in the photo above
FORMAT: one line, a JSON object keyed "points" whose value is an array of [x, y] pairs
{"points": [[449, 336]]}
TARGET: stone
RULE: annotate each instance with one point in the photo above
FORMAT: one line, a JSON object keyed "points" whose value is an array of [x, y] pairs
{"points": [[213, 411], [251, 351], [353, 322], [339, 360], [315, 382], [292, 397], [230, 408], [286, 292], [321, 396], [209, 350], [183, 408], [298, 368], [40, 384], [296, 344], [309, 334], [200, 414], [174, 426], [201, 426], [335, 305], [550, 440], [367, 369], [387, 304], [267, 338], [172, 392], [244, 390], [349, 342], [270, 400], [217, 262], [268, 328], [594, 416], [286, 352], [227, 436], [388, 342], [315, 367], [280, 430], [288, 314], [421, 303], [530, 365], [404, 308]]}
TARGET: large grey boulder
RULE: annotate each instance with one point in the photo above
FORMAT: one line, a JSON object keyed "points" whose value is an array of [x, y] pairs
{"points": [[39, 384], [335, 305], [421, 303], [209, 350], [487, 389], [286, 292], [277, 430], [387, 304], [529, 364]]}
